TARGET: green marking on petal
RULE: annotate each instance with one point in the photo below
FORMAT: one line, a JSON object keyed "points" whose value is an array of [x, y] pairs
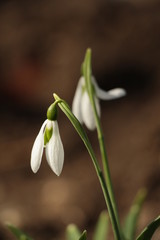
{"points": [[47, 135], [83, 89]]}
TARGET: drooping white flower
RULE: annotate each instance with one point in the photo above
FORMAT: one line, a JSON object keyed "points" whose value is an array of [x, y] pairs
{"points": [[48, 138], [81, 106]]}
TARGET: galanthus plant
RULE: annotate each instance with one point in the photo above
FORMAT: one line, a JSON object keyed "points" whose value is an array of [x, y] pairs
{"points": [[86, 109]]}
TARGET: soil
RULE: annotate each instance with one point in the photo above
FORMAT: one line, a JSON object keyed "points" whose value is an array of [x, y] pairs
{"points": [[42, 47]]}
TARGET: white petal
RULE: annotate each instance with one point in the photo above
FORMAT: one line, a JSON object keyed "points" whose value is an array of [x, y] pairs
{"points": [[87, 111], [116, 93], [108, 95], [76, 105], [37, 150], [55, 151]]}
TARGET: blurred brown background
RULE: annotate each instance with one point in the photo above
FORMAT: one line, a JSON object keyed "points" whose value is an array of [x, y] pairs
{"points": [[42, 46]]}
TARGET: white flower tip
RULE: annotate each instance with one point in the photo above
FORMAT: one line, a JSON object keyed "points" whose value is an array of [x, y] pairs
{"points": [[117, 93], [120, 92], [58, 173], [57, 169], [34, 170], [91, 127], [34, 164]]}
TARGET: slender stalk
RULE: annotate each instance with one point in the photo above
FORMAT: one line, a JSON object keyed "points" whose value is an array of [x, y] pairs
{"points": [[78, 127], [91, 93], [105, 163]]}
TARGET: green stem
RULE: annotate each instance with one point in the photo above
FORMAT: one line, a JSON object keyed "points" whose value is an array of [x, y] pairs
{"points": [[78, 127], [105, 163], [91, 93]]}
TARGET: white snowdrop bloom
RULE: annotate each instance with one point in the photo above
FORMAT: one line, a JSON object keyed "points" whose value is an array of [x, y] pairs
{"points": [[81, 106], [48, 138]]}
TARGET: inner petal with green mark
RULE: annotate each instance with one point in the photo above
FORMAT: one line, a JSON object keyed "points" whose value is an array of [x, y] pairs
{"points": [[48, 133]]}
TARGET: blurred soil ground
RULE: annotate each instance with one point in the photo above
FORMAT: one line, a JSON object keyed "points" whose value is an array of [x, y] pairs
{"points": [[42, 46]]}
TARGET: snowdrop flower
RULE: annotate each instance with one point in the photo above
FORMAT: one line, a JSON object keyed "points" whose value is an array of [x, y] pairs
{"points": [[48, 138], [81, 106]]}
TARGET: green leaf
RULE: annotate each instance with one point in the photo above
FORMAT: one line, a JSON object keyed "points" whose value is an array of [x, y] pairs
{"points": [[83, 236], [130, 224], [101, 229], [20, 235], [148, 232], [72, 232]]}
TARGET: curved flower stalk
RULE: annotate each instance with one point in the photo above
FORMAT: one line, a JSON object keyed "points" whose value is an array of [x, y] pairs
{"points": [[80, 130], [82, 107], [48, 138]]}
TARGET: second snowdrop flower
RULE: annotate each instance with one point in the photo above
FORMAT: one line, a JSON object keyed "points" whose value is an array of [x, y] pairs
{"points": [[82, 107]]}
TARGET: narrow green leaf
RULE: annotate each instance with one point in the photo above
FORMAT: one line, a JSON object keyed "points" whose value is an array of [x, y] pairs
{"points": [[101, 229], [148, 232], [130, 224], [72, 232], [20, 235], [83, 236]]}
